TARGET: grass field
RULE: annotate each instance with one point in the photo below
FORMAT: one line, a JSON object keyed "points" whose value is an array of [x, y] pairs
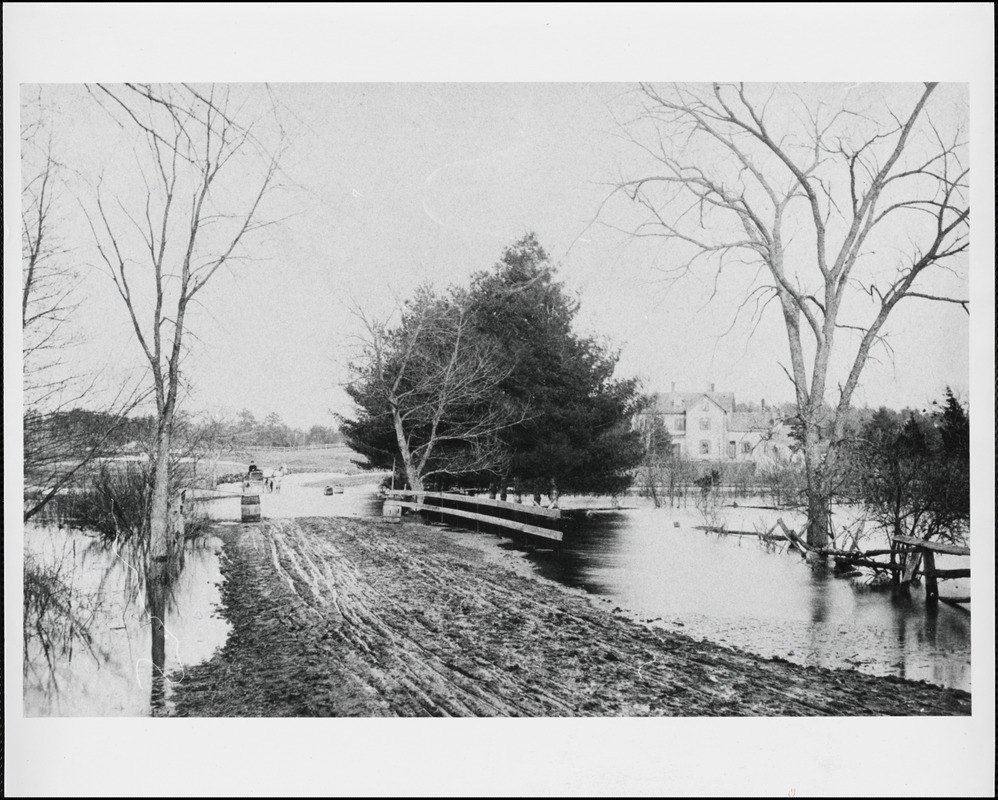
{"points": [[335, 458]]}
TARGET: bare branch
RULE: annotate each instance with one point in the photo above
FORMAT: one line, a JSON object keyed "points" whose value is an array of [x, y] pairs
{"points": [[964, 303], [719, 161]]}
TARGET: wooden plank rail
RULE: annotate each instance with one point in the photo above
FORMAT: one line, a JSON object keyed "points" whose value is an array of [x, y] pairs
{"points": [[540, 511], [447, 501], [795, 540], [847, 554], [522, 527], [869, 562], [927, 551], [951, 573], [761, 535], [935, 547]]}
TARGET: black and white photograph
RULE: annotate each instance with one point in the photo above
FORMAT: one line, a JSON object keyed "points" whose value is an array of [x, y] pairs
{"points": [[495, 362]]}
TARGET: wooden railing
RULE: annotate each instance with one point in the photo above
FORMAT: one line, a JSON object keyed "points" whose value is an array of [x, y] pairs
{"points": [[500, 513], [927, 551]]}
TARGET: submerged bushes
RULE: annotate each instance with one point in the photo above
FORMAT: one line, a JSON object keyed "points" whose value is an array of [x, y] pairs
{"points": [[58, 617], [114, 501]]}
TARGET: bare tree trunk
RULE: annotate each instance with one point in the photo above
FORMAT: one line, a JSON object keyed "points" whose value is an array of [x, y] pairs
{"points": [[818, 508], [408, 462], [160, 535], [818, 502]]}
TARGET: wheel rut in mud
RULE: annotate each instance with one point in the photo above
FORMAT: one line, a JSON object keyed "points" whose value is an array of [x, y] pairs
{"points": [[348, 617]]}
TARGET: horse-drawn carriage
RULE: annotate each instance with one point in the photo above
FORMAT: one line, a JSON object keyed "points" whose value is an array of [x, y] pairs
{"points": [[258, 480], [254, 482]]}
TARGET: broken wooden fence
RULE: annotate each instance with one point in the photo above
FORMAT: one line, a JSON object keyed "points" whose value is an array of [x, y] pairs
{"points": [[926, 552], [920, 551]]}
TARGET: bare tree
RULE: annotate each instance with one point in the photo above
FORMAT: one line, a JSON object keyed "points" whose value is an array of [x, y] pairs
{"points": [[846, 210], [46, 281], [434, 385], [48, 277], [54, 453], [202, 175]]}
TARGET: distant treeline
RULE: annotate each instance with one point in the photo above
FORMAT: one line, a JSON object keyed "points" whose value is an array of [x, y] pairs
{"points": [[272, 432], [242, 431], [82, 427]]}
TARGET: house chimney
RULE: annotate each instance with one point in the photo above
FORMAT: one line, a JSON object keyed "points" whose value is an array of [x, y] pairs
{"points": [[764, 404], [673, 386], [712, 388]]}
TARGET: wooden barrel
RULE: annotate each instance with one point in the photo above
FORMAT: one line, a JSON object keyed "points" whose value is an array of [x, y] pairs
{"points": [[391, 511], [251, 508]]}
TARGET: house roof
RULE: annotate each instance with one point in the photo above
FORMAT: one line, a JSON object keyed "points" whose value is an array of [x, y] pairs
{"points": [[751, 421], [679, 402]]}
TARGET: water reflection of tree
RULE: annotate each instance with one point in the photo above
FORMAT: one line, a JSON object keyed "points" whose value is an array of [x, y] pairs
{"points": [[58, 619], [63, 619], [150, 581], [819, 596]]}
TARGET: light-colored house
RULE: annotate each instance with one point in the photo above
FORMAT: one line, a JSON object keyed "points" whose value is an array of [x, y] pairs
{"points": [[704, 426]]}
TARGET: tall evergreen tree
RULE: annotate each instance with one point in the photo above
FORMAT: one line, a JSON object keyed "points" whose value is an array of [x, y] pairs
{"points": [[577, 433], [566, 421]]}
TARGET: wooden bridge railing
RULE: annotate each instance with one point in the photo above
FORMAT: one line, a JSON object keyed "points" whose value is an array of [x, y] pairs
{"points": [[500, 513]]}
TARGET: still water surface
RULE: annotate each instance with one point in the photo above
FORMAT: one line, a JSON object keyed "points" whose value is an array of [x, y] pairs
{"points": [[122, 672], [133, 662], [734, 590], [652, 562]]}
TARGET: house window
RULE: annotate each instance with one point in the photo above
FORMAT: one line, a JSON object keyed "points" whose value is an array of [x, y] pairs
{"points": [[731, 449], [705, 423], [704, 447], [746, 448], [681, 424], [677, 450]]}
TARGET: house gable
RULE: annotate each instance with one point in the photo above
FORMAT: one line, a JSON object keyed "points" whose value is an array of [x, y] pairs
{"points": [[679, 402]]}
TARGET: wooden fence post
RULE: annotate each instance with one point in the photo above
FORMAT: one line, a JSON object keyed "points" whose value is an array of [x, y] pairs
{"points": [[931, 582], [913, 558]]}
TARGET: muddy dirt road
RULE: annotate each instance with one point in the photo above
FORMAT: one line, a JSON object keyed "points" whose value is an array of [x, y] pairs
{"points": [[343, 617]]}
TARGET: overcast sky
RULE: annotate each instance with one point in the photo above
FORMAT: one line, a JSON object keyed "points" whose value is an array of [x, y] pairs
{"points": [[387, 185]]}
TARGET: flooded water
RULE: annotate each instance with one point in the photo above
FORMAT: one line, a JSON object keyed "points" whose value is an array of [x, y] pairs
{"points": [[738, 591], [133, 645], [733, 590], [303, 495], [652, 562], [114, 645]]}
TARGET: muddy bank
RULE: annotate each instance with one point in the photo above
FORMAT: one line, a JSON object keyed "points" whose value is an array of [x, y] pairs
{"points": [[344, 617]]}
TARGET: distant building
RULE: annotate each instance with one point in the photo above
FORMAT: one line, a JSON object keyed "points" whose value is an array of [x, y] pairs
{"points": [[704, 426]]}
